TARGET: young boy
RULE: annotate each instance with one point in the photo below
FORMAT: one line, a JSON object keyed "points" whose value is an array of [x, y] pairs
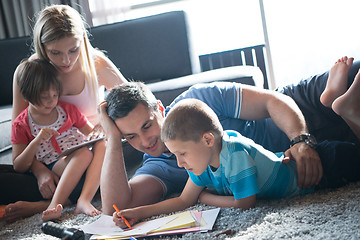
{"points": [[46, 128], [229, 170]]}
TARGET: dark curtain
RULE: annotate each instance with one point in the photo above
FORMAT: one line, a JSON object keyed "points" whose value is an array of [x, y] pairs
{"points": [[17, 16]]}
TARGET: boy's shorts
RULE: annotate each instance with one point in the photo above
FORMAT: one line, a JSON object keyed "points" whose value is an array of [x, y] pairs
{"points": [[166, 171]]}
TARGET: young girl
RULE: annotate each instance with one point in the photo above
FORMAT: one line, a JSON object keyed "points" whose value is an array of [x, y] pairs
{"points": [[60, 37], [46, 128]]}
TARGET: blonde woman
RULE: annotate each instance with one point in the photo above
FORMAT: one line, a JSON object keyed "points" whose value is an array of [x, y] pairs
{"points": [[60, 37]]}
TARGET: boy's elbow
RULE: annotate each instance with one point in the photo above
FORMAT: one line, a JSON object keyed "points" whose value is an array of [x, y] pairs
{"points": [[247, 207], [245, 203], [244, 206]]}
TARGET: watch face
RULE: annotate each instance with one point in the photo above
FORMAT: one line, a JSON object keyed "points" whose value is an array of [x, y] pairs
{"points": [[310, 140]]}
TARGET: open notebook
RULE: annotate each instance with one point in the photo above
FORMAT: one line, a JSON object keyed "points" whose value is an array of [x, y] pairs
{"points": [[184, 222]]}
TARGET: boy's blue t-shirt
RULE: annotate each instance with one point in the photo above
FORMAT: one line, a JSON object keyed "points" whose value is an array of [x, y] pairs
{"points": [[225, 99], [246, 169]]}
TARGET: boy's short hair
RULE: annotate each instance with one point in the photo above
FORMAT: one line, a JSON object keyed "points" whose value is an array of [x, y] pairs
{"points": [[123, 98], [36, 76], [188, 120]]}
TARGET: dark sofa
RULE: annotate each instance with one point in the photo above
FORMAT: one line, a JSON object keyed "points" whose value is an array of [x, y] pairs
{"points": [[155, 49]]}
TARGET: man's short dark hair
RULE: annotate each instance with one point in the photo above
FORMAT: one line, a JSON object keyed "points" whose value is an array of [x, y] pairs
{"points": [[123, 98]]}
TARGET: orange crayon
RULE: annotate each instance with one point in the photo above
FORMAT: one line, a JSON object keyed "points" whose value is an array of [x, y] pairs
{"points": [[2, 211], [124, 219]]}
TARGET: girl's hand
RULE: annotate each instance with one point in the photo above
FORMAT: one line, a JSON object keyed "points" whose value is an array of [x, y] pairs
{"points": [[47, 179], [45, 134], [47, 184], [97, 132], [131, 215]]}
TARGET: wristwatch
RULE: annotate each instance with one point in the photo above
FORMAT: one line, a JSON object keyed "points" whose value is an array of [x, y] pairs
{"points": [[306, 138]]}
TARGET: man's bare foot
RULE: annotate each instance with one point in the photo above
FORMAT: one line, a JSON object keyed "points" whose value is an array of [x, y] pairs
{"points": [[22, 209], [348, 105], [86, 207], [337, 82], [52, 213]]}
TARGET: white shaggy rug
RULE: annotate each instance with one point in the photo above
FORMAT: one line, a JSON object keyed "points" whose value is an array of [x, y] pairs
{"points": [[332, 214]]}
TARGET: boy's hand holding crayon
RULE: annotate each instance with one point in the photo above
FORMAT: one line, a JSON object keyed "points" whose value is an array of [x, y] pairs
{"points": [[125, 218]]}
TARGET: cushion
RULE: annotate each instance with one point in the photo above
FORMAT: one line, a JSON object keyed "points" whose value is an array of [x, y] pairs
{"points": [[12, 51], [168, 90]]}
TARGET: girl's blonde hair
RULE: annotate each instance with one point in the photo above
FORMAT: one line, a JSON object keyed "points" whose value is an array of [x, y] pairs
{"points": [[58, 21]]}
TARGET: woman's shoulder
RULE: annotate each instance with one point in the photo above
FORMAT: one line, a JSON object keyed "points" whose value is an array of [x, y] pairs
{"points": [[98, 55], [33, 57], [107, 72], [102, 62]]}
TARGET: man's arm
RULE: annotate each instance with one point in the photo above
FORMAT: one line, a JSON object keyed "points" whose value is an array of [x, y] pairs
{"points": [[115, 189], [260, 103], [113, 181]]}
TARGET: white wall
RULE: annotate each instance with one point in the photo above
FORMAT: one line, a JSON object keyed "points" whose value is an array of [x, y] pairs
{"points": [[220, 25], [308, 36]]}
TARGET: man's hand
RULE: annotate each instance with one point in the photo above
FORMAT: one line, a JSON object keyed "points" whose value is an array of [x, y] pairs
{"points": [[308, 163], [107, 124]]}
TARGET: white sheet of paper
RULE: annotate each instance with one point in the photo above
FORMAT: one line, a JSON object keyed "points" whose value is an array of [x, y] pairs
{"points": [[105, 226], [210, 217], [145, 227], [102, 226]]}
